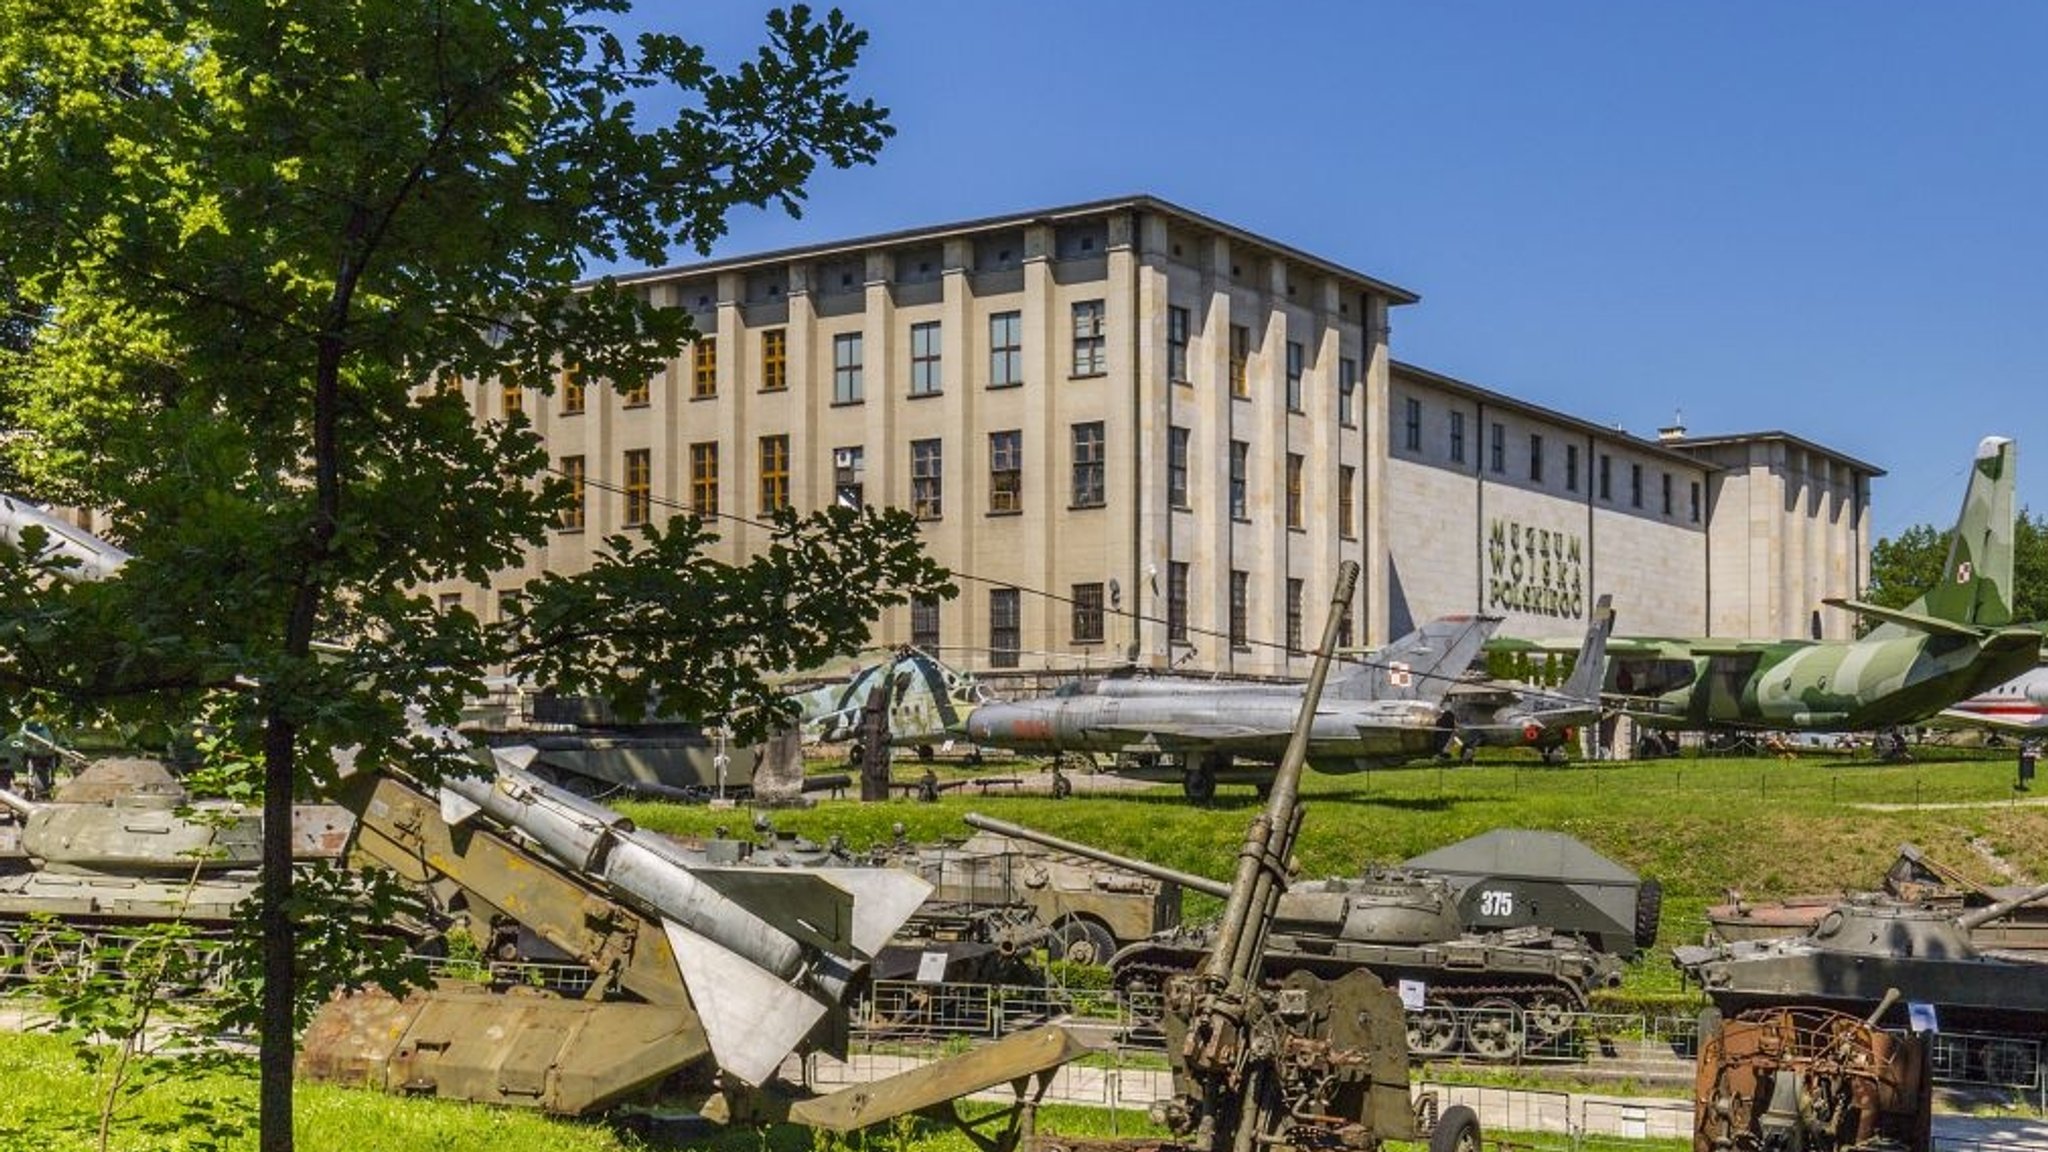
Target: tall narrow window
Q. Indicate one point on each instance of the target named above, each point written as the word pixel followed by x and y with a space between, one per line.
pixel 1606 476
pixel 572 391
pixel 1297 363
pixel 1088 465
pixel 1240 465
pixel 573 472
pixel 1240 360
pixel 1005 349
pixel 1088 613
pixel 1347 392
pixel 1571 467
pixel 704 478
pixel 775 359
pixel 1177 344
pixel 849 476
pixel 774 473
pixel 924 622
pixel 1294 617
pixel 1005 627
pixel 846 356
pixel 1666 477
pixel 1006 471
pixel 1294 501
pixel 514 398
pixel 1457 436
pixel 1535 458
pixel 704 380
pixel 1177 602
pixel 1090 346
pixel 1412 424
pixel 1695 501
pixel 925 377
pixel 1635 485
pixel 1347 501
pixel 927 491
pixel 1240 610
pixel 1177 467
pixel 637 488
pixel 638 395
pixel 1500 448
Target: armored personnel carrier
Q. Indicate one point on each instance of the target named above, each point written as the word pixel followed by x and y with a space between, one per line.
pixel 1496 994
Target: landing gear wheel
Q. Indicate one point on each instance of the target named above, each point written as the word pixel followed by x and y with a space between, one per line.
pixel 1433 1031
pixel 1198 782
pixel 1457 1130
pixel 1083 942
pixel 973 758
pixel 1493 1029
pixel 1061 786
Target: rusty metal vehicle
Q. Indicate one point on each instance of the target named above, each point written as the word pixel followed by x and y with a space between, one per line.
pixel 1814 1080
pixel 1492 994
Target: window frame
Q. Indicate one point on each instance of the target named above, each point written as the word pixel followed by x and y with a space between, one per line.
pixel 1089 612
pixel 1006 349
pixel 637 487
pixel 1178 444
pixel 928 478
pixel 704 478
pixel 704 367
pixel 1240 480
pixel 1006 472
pixel 927 367
pixel 774 466
pixel 775 360
pixel 575 471
pixel 848 359
pixel 1005 623
pixel 1179 333
pixel 1090 338
pixel 1088 447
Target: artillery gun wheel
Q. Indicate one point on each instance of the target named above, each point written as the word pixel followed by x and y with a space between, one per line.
pixel 1079 941
pixel 1494 1030
pixel 1434 1030
pixel 1457 1130
pixel 175 966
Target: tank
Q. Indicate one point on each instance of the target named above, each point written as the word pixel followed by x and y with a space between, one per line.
pixel 1495 995
pixel 1521 877
pixel 1863 946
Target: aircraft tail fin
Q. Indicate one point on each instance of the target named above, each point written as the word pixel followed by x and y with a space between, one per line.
pixel 1421 665
pixel 1975 587
pixel 1590 667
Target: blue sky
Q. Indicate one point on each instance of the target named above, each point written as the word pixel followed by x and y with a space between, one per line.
pixel 1823 218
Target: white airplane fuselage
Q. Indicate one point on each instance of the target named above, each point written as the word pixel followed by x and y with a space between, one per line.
pixel 2018 705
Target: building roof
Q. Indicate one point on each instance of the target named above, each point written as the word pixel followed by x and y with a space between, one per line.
pixel 1143 203
pixel 1800 442
pixel 1551 415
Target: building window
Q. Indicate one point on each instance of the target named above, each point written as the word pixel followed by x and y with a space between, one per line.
pixel 638 488
pixel 774 473
pixel 1240 610
pixel 925 376
pixel 846 355
pixel 1006 471
pixel 638 395
pixel 1240 360
pixel 1413 428
pixel 1088 466
pixel 1294 513
pixel 1695 501
pixel 927 491
pixel 1347 392
pixel 1177 467
pixel 1005 349
pixel 1535 458
pixel 1294 617
pixel 704 478
pixel 1240 464
pixel 1666 477
pixel 1090 347
pixel 1635 485
pixel 1457 436
pixel 1005 627
pixel 704 381
pixel 1500 447
pixel 1571 467
pixel 849 476
pixel 1606 476
pixel 775 359
pixel 1088 613
pixel 1347 502
pixel 573 472
pixel 514 398
pixel 509 601
pixel 1297 363
pixel 572 391
pixel 451 602
pixel 1177 602
pixel 1177 321
pixel 924 622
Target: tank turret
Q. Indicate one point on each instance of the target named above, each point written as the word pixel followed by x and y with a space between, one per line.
pixel 131 817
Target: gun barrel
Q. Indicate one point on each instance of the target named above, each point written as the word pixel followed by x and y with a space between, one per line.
pixel 1186 880
pixel 20 806
pixel 1969 920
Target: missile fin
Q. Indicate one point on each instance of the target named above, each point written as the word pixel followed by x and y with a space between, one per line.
pixel 752 1019
pixel 883 898
pixel 520 756
pixel 457 808
pixel 803 904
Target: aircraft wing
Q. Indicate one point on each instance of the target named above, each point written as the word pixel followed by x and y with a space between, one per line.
pixel 1914 620
pixel 1202 735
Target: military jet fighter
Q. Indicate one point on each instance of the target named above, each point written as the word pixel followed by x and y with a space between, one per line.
pixel 1952 643
pixel 1385 712
pixel 1494 714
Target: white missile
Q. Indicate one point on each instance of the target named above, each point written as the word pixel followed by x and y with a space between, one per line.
pixel 97 559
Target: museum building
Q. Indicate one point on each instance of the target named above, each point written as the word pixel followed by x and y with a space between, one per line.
pixel 1134 430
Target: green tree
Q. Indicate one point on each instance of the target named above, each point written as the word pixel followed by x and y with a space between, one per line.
pixel 1903 567
pixel 258 238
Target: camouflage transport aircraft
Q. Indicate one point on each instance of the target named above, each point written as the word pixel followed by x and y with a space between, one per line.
pixel 1955 641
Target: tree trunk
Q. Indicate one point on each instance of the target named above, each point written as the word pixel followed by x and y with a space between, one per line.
pixel 874 744
pixel 277 1042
